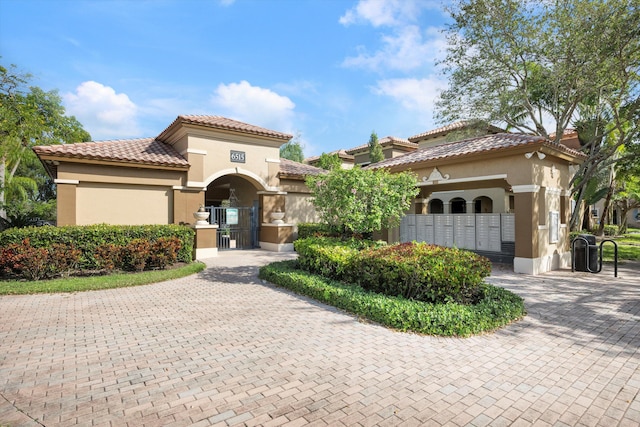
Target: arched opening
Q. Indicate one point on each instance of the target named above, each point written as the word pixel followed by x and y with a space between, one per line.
pixel 234 205
pixel 436 206
pixel 458 205
pixel 482 204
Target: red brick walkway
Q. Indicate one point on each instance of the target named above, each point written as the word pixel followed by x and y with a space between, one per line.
pixel 221 348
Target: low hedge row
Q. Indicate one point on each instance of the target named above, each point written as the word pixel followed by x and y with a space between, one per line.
pixel 495 308
pixel 313 229
pixel 24 261
pixel 412 270
pixel 88 238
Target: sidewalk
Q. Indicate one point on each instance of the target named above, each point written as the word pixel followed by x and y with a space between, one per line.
pixel 221 348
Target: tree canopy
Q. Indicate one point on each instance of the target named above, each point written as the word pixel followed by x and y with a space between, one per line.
pixel 360 200
pixel 293 149
pixel 29 116
pixel 329 161
pixel 540 67
pixel 375 149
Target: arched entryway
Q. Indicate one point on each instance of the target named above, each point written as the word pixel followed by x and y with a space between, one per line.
pixel 436 206
pixel 482 204
pixel 458 205
pixel 234 205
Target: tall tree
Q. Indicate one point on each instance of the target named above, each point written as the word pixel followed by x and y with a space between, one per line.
pixel 531 65
pixel 329 161
pixel 29 116
pixel 375 149
pixel 293 149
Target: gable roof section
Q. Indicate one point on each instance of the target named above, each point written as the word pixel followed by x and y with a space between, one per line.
pixel 386 141
pixel 443 130
pixel 136 152
pixel 342 154
pixel 222 123
pixel 295 170
pixel 483 144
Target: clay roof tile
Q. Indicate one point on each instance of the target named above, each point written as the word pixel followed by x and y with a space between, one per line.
pixel 143 151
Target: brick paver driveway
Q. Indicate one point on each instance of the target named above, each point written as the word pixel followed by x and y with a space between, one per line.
pixel 221 348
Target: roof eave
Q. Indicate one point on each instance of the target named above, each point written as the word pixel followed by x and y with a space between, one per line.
pixel 45 158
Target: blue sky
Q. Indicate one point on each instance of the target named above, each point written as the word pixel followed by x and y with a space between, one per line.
pixel 331 70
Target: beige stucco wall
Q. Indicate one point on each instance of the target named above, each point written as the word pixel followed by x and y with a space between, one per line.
pixel 538 186
pixel 93 194
pixel 261 158
pixel 499 197
pixel 119 174
pixel 123 204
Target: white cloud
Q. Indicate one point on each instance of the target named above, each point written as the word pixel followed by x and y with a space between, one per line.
pixel 415 95
pixel 383 12
pixel 407 49
pixel 255 105
pixel 104 113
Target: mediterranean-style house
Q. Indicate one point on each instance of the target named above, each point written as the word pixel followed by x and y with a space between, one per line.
pixel 500 194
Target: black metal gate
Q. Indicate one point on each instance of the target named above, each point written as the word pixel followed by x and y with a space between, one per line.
pixel 237 227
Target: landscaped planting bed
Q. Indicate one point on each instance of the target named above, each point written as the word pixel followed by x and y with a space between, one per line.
pixel 36 253
pixel 410 286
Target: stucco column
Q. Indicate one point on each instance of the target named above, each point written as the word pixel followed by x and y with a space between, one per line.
pixel 470 207
pixel 526 228
pixel 186 201
pixel 271 202
pixel 66 201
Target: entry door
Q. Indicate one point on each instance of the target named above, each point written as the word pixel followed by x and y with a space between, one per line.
pixel 237 227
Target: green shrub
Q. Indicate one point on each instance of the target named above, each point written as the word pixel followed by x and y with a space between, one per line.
pixel 108 256
pixel 164 251
pixel 135 254
pixel 411 270
pixel 495 307
pixel 315 230
pixel 611 230
pixel 422 272
pixel 32 263
pixel 329 256
pixel 88 238
pixel 64 259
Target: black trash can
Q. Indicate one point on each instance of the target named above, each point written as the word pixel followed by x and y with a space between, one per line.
pixel 585 254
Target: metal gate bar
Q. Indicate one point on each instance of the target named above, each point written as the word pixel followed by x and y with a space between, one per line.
pixel 236 227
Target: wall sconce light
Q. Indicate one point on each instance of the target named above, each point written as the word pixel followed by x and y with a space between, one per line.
pixel 540 155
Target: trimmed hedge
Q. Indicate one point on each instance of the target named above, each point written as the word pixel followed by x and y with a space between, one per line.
pixel 22 260
pixel 412 270
pixel 88 238
pixel 495 308
pixel 314 229
pixel 422 272
pixel 330 256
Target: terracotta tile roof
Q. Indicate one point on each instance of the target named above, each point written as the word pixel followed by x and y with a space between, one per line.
pixel 443 130
pixel 566 132
pixel 289 168
pixel 341 154
pixel 487 143
pixel 219 122
pixel 143 151
pixel 387 140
